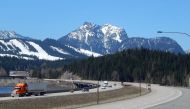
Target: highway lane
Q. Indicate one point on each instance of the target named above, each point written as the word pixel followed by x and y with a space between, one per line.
pixel 182 102
pixel 118 86
pixel 159 95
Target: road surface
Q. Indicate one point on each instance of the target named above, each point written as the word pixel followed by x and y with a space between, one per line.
pixel 153 100
pixel 181 103
pixel 118 86
pixel 159 95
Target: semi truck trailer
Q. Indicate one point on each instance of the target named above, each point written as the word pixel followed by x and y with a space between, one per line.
pixel 28 89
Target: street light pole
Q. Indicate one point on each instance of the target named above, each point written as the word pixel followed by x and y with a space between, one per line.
pixel 98 90
pixel 175 33
pixel 98 93
pixel 140 84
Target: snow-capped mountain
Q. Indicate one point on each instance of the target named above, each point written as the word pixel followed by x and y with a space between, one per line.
pixel 100 39
pixel 11 34
pixel 108 39
pixel 48 49
pixel 87 40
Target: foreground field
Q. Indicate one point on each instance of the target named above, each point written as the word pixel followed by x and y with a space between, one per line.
pixel 73 101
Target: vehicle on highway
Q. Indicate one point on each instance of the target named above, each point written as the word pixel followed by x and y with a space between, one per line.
pixel 85 89
pixel 28 89
pixel 105 83
pixel 103 87
pixel 109 86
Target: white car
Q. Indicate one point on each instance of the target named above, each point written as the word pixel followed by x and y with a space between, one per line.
pixel 109 86
pixel 103 87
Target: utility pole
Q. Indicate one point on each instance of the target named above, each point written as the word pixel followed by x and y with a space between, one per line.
pixel 140 84
pixel 98 93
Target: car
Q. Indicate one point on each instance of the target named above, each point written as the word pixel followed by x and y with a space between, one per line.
pixel 85 89
pixel 109 86
pixel 103 87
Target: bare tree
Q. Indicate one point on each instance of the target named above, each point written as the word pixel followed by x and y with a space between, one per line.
pixel 3 72
pixel 115 76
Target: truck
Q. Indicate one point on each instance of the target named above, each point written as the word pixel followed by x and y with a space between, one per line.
pixel 28 89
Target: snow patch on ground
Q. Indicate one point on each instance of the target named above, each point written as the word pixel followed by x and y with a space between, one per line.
pixel 7 44
pixel 89 53
pixel 21 46
pixel 85 52
pixel 60 50
pixel 41 54
pixel 9 55
pixel 24 50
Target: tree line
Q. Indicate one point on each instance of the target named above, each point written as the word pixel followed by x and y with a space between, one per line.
pixel 36 68
pixel 136 65
pixel 132 65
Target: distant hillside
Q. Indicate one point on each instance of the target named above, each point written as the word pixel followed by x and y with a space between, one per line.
pixel 135 65
pixel 36 68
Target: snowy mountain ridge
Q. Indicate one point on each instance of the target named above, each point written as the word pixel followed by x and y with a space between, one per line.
pixel 100 39
pixel 19 47
pixel 87 40
pixel 11 34
pixel 35 49
pixel 108 39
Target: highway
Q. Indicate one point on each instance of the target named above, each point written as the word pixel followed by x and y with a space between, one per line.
pixel 68 93
pixel 182 102
pixel 159 95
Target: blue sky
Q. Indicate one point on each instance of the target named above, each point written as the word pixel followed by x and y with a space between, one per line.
pixel 55 18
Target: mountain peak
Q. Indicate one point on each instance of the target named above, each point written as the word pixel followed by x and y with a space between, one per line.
pixel 9 35
pixel 89 32
pixel 109 27
pixel 113 31
pixel 187 51
pixel 87 25
pixel 107 38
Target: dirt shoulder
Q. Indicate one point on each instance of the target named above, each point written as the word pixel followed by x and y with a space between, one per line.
pixel 73 101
